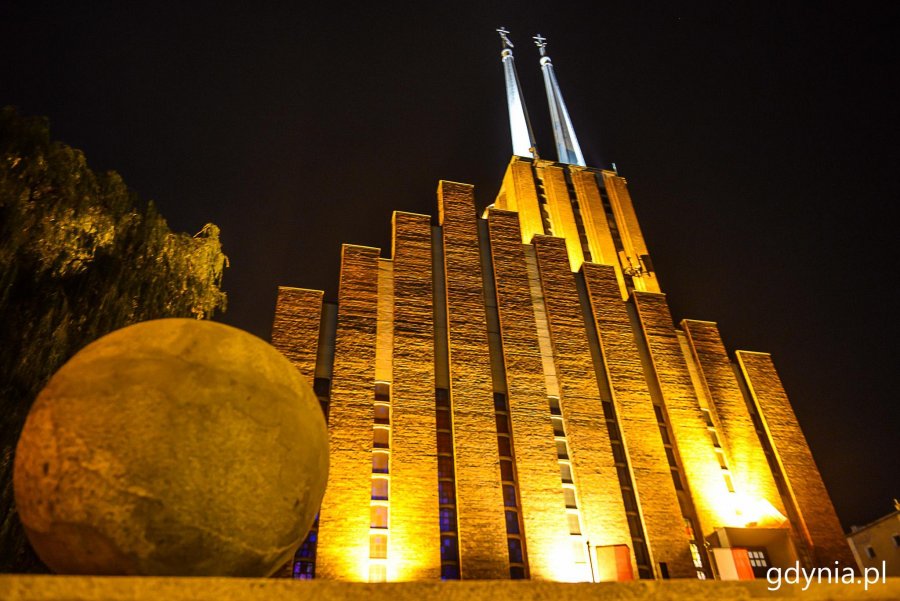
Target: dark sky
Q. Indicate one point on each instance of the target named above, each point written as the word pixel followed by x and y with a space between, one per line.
pixel 760 142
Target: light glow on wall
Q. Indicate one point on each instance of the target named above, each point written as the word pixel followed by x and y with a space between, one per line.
pixel 744 511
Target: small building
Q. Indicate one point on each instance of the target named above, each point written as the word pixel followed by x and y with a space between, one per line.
pixel 878 544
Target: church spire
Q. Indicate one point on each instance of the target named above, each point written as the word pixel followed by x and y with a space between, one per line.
pixel 519 126
pixel 567 147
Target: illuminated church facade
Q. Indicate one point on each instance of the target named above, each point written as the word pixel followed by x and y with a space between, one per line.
pixel 508 397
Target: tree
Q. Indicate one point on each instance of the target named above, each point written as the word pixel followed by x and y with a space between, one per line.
pixel 79 257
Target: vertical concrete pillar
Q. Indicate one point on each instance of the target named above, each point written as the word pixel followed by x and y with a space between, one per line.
pixel 820 526
pixel 414 542
pixel 537 467
pixel 343 550
pixel 479 496
pixel 298 315
pixel 746 458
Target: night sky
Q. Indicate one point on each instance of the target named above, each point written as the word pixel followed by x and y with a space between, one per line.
pixel 760 142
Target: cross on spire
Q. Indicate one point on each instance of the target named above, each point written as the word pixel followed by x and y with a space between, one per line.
pixel 504 35
pixel 541 42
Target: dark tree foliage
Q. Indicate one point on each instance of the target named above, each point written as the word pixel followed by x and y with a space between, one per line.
pixel 79 257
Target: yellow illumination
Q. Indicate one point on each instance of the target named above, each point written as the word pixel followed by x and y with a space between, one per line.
pixel 563 568
pixel 747 512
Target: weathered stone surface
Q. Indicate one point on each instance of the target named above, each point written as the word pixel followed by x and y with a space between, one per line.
pixel 172 447
pixel 482 528
pixel 295 331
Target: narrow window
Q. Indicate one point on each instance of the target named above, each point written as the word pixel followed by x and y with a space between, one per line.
pixel 443 420
pixel 446 493
pixel 382 413
pixel 515 550
pixel 502 424
pixel 670 455
pixel 382 438
pixel 665 435
pixel 445 466
pixel 304 570
pixel 578 550
pixel 558 429
pixel 442 397
pixel 377 546
pixel 379 489
pixel 449 548
pixel 676 479
pixel 379 516
pixel 509 495
pixel 664 570
pixel 554 406
pixel 448 520
pixel 449 571
pixel 380 463
pixel 695 556
pixel 659 414
pixel 504 446
pixel 618 453
pixel 721 456
pixel 382 392
pixel 512 522
pixel 728 483
pixel 574 524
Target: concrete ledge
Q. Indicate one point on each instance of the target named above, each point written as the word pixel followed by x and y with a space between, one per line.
pixel 98 588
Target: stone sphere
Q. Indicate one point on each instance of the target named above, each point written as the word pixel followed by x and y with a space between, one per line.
pixel 172 447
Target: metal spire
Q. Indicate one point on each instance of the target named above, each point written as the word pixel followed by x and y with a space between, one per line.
pixel 567 147
pixel 519 126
